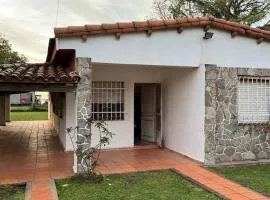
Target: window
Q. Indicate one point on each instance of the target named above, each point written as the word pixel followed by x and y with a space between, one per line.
pixel 253 100
pixel 108 100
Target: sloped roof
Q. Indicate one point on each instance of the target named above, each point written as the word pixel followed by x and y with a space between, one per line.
pixel 37 73
pixel 204 22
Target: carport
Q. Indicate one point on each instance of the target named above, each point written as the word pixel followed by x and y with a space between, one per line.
pixel 57 76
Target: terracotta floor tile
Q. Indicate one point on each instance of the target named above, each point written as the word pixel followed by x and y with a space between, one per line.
pixel 252 195
pixel 237 197
pixel 34 160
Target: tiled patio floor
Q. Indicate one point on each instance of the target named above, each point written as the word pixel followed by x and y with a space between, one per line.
pixel 31 151
pixel 122 161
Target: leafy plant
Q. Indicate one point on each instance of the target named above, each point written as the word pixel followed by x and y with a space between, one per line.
pixel 86 152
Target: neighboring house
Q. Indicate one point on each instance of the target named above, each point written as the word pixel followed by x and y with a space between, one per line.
pixel 170 83
pixel 22 99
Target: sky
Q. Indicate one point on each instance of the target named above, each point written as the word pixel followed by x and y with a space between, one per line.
pixel 28 24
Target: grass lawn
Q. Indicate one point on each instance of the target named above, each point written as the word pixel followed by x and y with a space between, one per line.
pixel 163 184
pixel 20 108
pixel 39 108
pixel 11 193
pixel 28 116
pixel 256 177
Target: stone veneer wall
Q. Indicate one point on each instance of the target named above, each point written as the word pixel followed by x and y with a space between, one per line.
pixel 83 106
pixel 226 140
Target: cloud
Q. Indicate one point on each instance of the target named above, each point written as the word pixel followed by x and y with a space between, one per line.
pixel 29 24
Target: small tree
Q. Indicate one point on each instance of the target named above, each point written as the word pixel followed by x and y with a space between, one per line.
pixel 7 56
pixel 85 150
pixel 249 12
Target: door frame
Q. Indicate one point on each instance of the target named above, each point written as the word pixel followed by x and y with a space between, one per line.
pixel 160 142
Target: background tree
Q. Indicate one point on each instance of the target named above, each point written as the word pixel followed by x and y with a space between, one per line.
pixel 7 56
pixel 247 12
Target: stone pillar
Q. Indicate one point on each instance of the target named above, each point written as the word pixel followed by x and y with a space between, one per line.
pixel 2 110
pixel 83 100
pixel 7 107
pixel 211 74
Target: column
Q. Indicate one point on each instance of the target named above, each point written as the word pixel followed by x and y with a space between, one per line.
pixel 7 107
pixel 83 101
pixel 2 110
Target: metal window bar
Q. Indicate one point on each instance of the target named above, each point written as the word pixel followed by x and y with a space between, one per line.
pixel 253 100
pixel 108 99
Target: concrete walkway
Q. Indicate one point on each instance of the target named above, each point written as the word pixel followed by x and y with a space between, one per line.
pixel 31 151
pixel 131 160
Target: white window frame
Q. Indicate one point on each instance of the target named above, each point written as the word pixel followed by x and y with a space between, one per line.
pixel 253 100
pixel 109 97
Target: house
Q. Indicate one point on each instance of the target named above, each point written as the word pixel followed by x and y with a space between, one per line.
pixel 22 99
pixel 197 86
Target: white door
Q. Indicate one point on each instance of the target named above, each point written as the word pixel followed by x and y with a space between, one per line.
pixel 148 113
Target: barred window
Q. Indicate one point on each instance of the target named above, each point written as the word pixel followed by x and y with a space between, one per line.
pixel 253 100
pixel 108 100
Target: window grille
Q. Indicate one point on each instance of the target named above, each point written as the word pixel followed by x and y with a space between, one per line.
pixel 253 100
pixel 108 100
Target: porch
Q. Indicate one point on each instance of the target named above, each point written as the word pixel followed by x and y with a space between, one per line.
pixel 161 105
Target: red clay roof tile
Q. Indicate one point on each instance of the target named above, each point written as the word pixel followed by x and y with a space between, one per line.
pixel 37 73
pixel 109 26
pixel 124 25
pixel 88 30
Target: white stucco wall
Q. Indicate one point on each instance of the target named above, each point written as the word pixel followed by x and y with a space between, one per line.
pixel 68 120
pixel 183 105
pixel 70 117
pixel 183 112
pixel 169 48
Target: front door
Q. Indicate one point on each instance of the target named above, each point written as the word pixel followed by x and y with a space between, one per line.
pixel 148 113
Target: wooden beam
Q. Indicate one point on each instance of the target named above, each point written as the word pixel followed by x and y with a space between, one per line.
pixel 260 40
pixel 206 28
pixel 14 88
pixel 149 32
pixel 84 38
pixel 233 34
pixel 117 36
pixel 180 30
